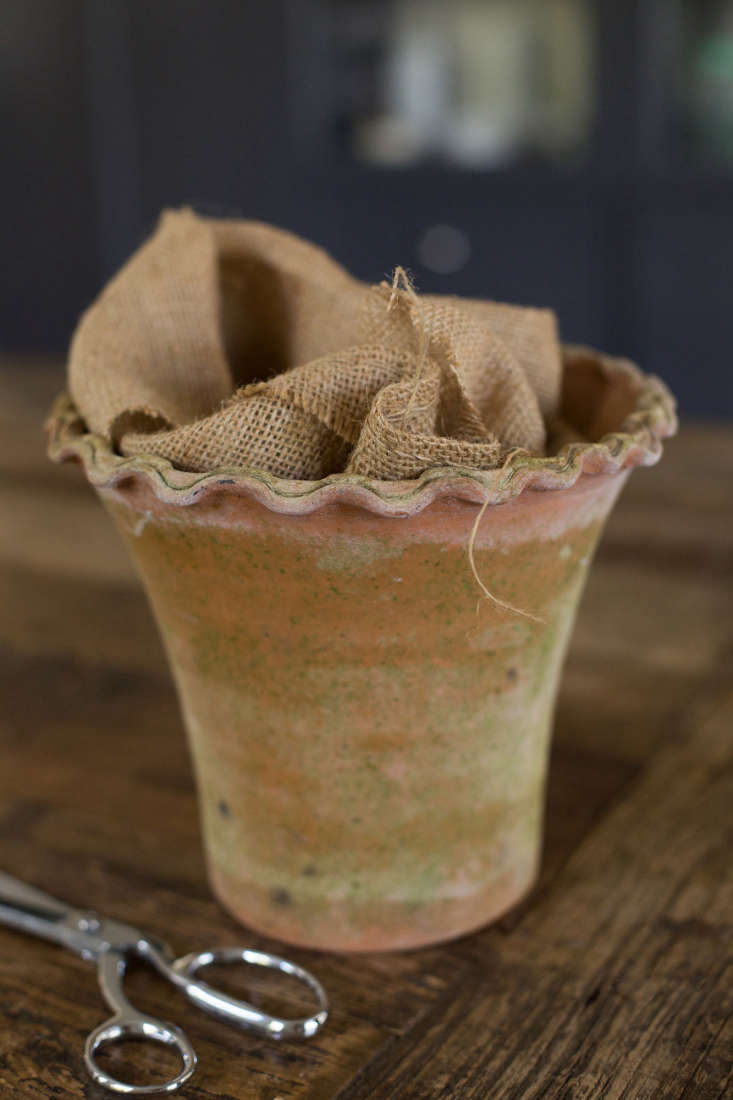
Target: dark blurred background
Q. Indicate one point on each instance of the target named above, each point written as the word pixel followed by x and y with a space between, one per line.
pixel 571 153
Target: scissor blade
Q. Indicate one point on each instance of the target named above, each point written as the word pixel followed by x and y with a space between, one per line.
pixel 31 910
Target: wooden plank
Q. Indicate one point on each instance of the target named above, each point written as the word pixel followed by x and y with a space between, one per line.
pixel 617 983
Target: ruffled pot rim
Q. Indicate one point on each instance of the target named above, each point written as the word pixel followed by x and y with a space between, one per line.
pixel 637 442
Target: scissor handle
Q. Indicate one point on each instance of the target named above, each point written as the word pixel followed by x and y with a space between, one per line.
pixel 185 969
pixel 136 1026
pixel 128 1023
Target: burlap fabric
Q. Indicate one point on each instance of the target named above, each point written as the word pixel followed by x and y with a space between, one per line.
pixel 231 343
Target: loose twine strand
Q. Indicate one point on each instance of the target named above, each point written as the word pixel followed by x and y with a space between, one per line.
pixel 472 562
pixel 402 283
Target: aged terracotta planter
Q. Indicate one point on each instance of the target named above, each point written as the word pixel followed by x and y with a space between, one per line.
pixel 370 748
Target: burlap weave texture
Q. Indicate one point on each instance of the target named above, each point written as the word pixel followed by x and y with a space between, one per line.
pixel 232 343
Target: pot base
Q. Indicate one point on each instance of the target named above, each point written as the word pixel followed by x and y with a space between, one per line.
pixel 384 926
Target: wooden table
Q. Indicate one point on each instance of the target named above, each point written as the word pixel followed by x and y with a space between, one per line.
pixel 612 980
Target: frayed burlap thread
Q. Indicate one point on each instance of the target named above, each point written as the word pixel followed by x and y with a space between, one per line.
pixel 236 344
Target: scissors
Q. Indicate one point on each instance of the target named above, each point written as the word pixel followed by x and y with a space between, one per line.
pixel 110 942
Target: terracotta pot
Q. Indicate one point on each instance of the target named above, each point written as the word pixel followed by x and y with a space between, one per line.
pixel 370 739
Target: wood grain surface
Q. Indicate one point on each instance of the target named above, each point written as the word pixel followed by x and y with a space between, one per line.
pixel 614 979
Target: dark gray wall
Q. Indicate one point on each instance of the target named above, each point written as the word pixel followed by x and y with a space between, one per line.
pixel 112 109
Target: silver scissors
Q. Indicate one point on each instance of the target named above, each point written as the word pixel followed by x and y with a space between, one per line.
pixel 110 942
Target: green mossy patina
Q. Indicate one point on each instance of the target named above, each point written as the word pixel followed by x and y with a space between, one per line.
pixel 357 710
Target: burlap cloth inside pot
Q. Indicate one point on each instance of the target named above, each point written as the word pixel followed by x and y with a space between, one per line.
pixel 232 343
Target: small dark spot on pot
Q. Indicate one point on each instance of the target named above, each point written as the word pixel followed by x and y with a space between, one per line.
pixel 224 809
pixel 511 674
pixel 226 481
pixel 310 870
pixel 280 896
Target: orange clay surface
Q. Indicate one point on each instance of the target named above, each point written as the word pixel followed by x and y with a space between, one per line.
pixel 370 746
